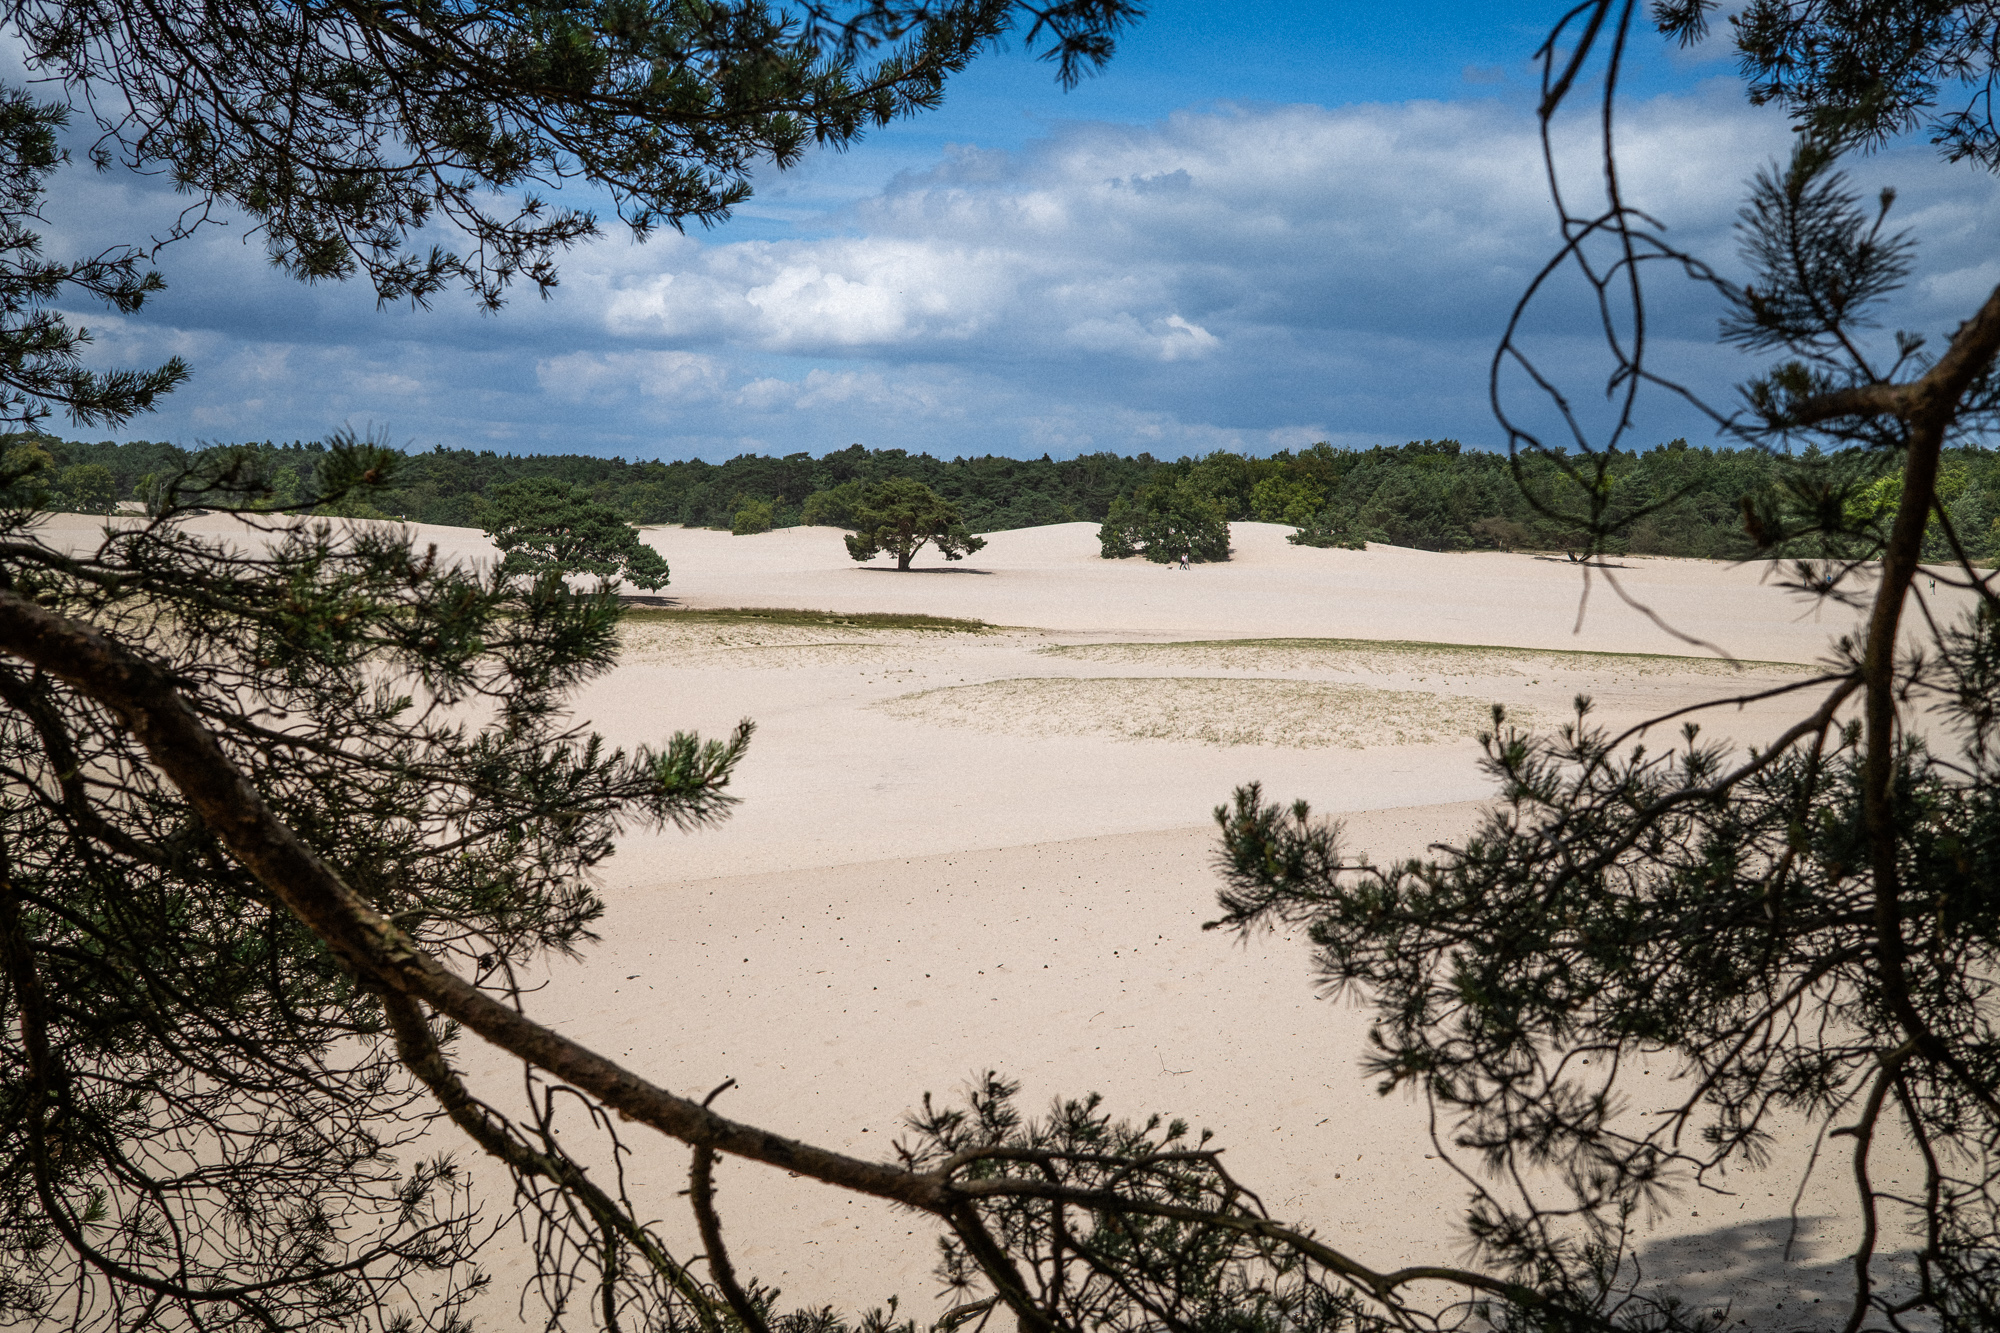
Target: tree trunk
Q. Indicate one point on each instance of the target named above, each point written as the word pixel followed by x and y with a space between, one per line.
pixel 903 559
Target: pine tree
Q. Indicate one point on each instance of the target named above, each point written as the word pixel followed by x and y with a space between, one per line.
pixel 548 527
pixel 901 517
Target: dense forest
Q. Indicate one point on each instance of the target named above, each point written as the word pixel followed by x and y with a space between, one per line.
pixel 1434 494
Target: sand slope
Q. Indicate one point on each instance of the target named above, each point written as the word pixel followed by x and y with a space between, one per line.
pixel 970 852
pixel 961 852
pixel 1053 577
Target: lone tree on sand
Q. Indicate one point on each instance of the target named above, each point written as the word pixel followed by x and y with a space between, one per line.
pixel 283 821
pixel 900 515
pixel 544 526
pixel 1165 521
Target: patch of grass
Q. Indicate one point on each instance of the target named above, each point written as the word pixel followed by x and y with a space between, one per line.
pixel 1292 714
pixel 781 615
pixel 1411 647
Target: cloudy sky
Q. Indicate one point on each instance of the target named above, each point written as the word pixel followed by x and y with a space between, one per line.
pixel 1268 222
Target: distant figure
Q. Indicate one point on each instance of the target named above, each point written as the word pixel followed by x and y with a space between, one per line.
pixel 1186 554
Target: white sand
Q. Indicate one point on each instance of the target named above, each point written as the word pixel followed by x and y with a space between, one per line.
pixel 970 852
pixel 1053 578
pixel 966 852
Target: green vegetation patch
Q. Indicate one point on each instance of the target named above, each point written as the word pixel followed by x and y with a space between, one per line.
pixel 1401 654
pixel 780 615
pixel 1232 711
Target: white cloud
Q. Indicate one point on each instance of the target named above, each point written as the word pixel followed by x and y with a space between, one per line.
pixel 591 377
pixel 1163 241
pixel 908 397
pixel 1167 339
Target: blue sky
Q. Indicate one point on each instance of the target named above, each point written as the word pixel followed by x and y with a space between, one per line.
pixel 1264 224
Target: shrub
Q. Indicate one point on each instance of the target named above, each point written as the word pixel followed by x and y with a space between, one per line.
pixel 753 516
pixel 1279 500
pixel 834 507
pixel 1326 529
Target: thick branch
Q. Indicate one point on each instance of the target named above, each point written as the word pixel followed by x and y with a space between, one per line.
pixel 1929 401
pixel 1934 400
pixel 417 1047
pixel 1383 1286
pixel 373 947
pixel 388 960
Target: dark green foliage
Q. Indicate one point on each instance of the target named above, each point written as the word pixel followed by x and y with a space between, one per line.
pixel 1420 494
pixel 994 494
pixel 546 527
pixel 1286 499
pixel 835 508
pixel 1323 530
pixel 1821 259
pixel 1115 1267
pixel 900 516
pixel 1174 519
pixel 371 124
pixel 1860 73
pixel 85 488
pixel 192 1088
pixel 41 365
pixel 444 485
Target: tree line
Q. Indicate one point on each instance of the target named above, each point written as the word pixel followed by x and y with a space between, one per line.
pixel 1675 499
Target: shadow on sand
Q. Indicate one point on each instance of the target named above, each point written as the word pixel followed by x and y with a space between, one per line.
pixel 1744 1270
pixel 1587 564
pixel 927 569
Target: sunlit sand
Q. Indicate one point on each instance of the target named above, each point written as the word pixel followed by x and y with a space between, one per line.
pixel 958 852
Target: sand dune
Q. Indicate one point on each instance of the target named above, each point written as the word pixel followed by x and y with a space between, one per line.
pixel 959 852
pixel 1053 578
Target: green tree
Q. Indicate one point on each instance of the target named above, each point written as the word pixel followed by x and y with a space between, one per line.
pixel 834 507
pixel 543 527
pixel 1285 500
pixel 900 516
pixel 86 488
pixel 1326 529
pixel 1166 521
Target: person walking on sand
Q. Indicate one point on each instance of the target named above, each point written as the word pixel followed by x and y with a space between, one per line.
pixel 1186 554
